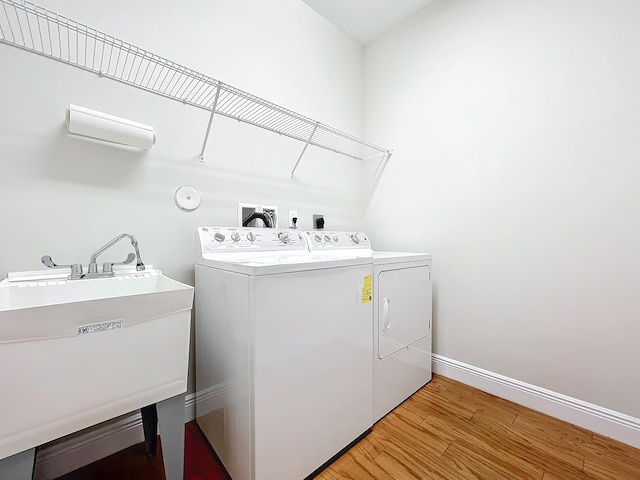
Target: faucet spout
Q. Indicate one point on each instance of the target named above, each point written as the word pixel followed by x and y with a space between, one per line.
pixel 93 265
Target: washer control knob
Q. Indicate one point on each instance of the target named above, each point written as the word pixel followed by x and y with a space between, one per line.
pixel 317 238
pixel 235 236
pixel 355 239
pixel 327 238
pixel 251 236
pixel 219 236
pixel 335 238
pixel 283 237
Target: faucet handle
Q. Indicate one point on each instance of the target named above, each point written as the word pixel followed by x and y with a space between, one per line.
pixel 107 267
pixel 48 262
pixel 76 268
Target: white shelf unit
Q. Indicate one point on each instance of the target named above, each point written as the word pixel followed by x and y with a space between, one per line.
pixel 33 28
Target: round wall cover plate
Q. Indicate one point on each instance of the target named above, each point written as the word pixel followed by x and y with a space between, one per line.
pixel 187 198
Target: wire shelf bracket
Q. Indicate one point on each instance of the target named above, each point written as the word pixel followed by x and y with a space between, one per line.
pixel 213 112
pixel 30 27
pixel 304 149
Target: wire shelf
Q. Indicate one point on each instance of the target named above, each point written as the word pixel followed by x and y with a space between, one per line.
pixel 33 28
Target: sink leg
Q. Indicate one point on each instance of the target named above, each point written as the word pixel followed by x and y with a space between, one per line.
pixel 150 428
pixel 19 466
pixel 171 418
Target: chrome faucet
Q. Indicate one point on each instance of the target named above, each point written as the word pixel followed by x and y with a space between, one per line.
pixel 107 266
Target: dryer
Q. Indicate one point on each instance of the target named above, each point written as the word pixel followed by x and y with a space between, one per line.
pixel 284 341
pixel 401 293
pixel 402 327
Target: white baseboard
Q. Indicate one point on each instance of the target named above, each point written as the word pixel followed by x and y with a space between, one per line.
pixel 63 457
pixel 609 423
pixel 79 450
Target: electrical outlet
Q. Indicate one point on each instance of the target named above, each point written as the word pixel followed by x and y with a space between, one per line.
pixel 318 222
pixel 293 214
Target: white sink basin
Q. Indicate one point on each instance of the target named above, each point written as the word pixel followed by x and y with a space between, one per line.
pixel 74 353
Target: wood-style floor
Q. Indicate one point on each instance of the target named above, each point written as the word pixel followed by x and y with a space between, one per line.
pixel 446 431
pixel 450 431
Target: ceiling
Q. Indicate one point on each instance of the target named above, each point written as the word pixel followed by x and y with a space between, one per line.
pixel 365 20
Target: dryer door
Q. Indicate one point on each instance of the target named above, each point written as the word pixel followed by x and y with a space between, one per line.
pixel 404 308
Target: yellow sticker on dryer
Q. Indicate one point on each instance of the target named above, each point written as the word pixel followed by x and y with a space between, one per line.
pixel 367 289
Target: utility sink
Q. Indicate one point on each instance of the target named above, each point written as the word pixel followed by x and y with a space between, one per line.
pixel 74 353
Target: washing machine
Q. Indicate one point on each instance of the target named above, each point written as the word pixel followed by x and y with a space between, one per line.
pixel 401 295
pixel 284 341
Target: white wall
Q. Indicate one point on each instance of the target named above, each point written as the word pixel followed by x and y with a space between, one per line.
pixel 65 196
pixel 515 127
